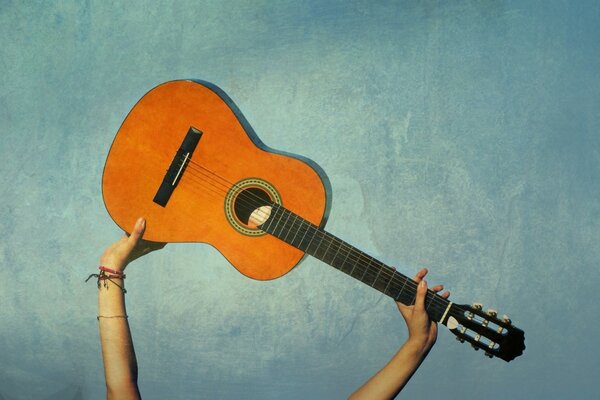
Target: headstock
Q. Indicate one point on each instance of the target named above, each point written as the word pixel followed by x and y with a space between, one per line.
pixel 484 330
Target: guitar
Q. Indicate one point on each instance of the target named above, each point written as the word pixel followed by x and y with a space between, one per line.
pixel 188 161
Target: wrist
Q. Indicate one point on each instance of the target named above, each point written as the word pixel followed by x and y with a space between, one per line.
pixel 419 345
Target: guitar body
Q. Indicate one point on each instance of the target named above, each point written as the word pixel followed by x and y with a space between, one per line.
pixel 228 159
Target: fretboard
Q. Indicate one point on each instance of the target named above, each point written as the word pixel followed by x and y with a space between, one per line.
pixel 305 236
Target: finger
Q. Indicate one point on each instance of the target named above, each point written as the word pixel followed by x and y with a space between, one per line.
pixel 137 232
pixel 420 298
pixel 421 274
pixel 404 310
pixel 446 294
pixel 437 288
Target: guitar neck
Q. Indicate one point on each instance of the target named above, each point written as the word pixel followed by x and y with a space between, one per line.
pixel 305 236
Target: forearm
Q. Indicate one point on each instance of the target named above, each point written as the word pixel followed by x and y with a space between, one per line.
pixel 118 355
pixel 388 382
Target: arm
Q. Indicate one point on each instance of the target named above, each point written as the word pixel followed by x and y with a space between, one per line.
pixel 118 355
pixel 422 334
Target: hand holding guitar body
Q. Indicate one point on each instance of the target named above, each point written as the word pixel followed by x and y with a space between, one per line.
pixel 118 354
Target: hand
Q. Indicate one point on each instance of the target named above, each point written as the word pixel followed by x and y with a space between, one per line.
pixel 421 330
pixel 128 248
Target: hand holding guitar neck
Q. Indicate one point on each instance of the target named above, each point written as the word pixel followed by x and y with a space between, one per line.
pixel 421 329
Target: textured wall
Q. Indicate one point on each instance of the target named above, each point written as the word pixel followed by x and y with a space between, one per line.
pixel 459 135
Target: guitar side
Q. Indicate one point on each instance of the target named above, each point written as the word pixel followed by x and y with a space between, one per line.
pixel 228 154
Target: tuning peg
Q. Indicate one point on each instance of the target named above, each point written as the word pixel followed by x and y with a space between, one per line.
pixel 474 347
pixel 477 306
pixel 506 319
pixel 460 339
pixel 490 355
pixel 492 313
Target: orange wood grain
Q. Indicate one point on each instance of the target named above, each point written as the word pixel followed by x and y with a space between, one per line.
pixel 144 148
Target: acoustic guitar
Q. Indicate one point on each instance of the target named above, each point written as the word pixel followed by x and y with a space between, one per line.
pixel 188 161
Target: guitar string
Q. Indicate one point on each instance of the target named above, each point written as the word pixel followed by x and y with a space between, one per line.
pixel 456 312
pixel 382 269
pixel 390 273
pixel 349 249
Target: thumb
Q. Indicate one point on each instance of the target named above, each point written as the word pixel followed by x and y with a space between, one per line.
pixel 420 299
pixel 137 232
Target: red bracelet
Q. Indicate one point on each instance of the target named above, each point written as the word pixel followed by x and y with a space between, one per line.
pixel 112 271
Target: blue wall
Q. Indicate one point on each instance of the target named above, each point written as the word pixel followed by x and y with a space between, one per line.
pixel 459 135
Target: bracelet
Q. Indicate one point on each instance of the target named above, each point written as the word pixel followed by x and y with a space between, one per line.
pixel 112 271
pixel 106 276
pixel 103 277
pixel 112 316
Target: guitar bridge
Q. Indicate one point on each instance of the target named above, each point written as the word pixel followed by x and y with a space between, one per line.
pixel 177 167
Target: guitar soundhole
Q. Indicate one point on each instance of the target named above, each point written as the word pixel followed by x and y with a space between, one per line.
pixel 248 205
pixel 248 201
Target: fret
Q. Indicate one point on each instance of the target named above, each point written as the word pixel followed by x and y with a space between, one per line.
pixel 314 233
pixel 275 217
pixel 266 225
pixel 330 241
pixel 370 274
pixel 427 302
pixel 330 255
pixel 407 296
pixel 314 245
pixel 284 227
pixel 292 229
pixel 335 262
pixel 395 289
pixel 307 237
pixel 336 246
pixel 346 260
pixel 351 273
pixel 362 277
pixel 382 278
pixel 441 305
pixel 390 279
pixel 319 250
pixel 357 272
